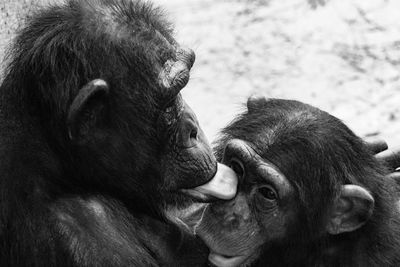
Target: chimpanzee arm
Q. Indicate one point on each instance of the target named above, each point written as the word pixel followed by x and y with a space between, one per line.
pixel 100 231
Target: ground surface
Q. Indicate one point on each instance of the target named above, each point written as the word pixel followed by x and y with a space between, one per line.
pixel 342 57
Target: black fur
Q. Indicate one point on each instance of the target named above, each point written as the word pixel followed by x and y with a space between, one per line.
pixel 317 154
pixel 98 201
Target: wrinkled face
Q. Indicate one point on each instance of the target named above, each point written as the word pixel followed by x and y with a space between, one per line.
pixel 236 230
pixel 188 150
pixel 189 161
pixel 188 167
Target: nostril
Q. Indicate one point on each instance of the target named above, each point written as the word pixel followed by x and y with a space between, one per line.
pixel 229 219
pixel 193 134
pixel 237 166
pixel 232 221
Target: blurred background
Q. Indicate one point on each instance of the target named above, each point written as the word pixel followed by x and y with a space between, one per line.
pixel 341 56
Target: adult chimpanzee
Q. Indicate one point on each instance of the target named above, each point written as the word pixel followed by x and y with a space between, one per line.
pixel 96 144
pixel 311 193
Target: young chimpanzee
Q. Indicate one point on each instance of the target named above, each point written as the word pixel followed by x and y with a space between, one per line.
pixel 311 193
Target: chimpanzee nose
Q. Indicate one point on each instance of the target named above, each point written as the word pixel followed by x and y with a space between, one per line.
pixel 189 134
pixel 233 211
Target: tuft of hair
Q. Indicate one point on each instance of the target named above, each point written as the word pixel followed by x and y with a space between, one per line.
pixel 62 47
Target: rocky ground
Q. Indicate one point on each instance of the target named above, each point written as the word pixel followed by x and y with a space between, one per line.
pixel 343 56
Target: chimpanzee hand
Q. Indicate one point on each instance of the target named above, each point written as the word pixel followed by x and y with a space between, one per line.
pixel 391 157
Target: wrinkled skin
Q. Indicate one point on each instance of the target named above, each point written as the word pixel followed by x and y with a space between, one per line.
pixel 189 161
pixel 310 193
pixel 97 148
pixel 235 231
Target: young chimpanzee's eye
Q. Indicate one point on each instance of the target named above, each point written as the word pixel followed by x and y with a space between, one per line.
pixel 267 192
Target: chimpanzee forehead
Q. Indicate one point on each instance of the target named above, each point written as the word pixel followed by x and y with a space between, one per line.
pixel 271 174
pixel 137 22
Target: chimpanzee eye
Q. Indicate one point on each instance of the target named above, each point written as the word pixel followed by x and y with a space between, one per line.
pixel 268 193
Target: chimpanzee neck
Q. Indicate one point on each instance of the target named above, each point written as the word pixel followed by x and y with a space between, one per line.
pixel 378 241
pixel 28 164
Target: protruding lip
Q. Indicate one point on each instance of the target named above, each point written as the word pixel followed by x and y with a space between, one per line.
pixel 222 186
pixel 220 260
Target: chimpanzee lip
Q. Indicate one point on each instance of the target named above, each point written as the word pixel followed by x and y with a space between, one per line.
pixel 222 186
pixel 221 260
pixel 198 196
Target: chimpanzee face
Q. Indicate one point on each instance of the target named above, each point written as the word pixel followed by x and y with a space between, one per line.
pixel 188 161
pixel 296 172
pixel 146 138
pixel 235 230
pixel 130 127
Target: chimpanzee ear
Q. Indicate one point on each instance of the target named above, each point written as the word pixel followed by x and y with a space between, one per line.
pixel 86 107
pixel 351 210
pixel 255 102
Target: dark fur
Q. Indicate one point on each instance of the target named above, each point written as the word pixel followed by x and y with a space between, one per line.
pixel 62 204
pixel 317 153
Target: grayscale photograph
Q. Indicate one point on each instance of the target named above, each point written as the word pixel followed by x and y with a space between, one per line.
pixel 199 133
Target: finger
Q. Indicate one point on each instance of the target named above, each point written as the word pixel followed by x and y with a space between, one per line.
pixel 395 176
pixel 390 157
pixel 376 145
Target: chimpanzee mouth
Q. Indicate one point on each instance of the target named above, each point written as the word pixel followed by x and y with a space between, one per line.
pixel 222 186
pixel 197 196
pixel 221 260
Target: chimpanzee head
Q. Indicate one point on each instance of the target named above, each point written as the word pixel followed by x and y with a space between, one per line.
pixel 306 184
pixel 102 77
